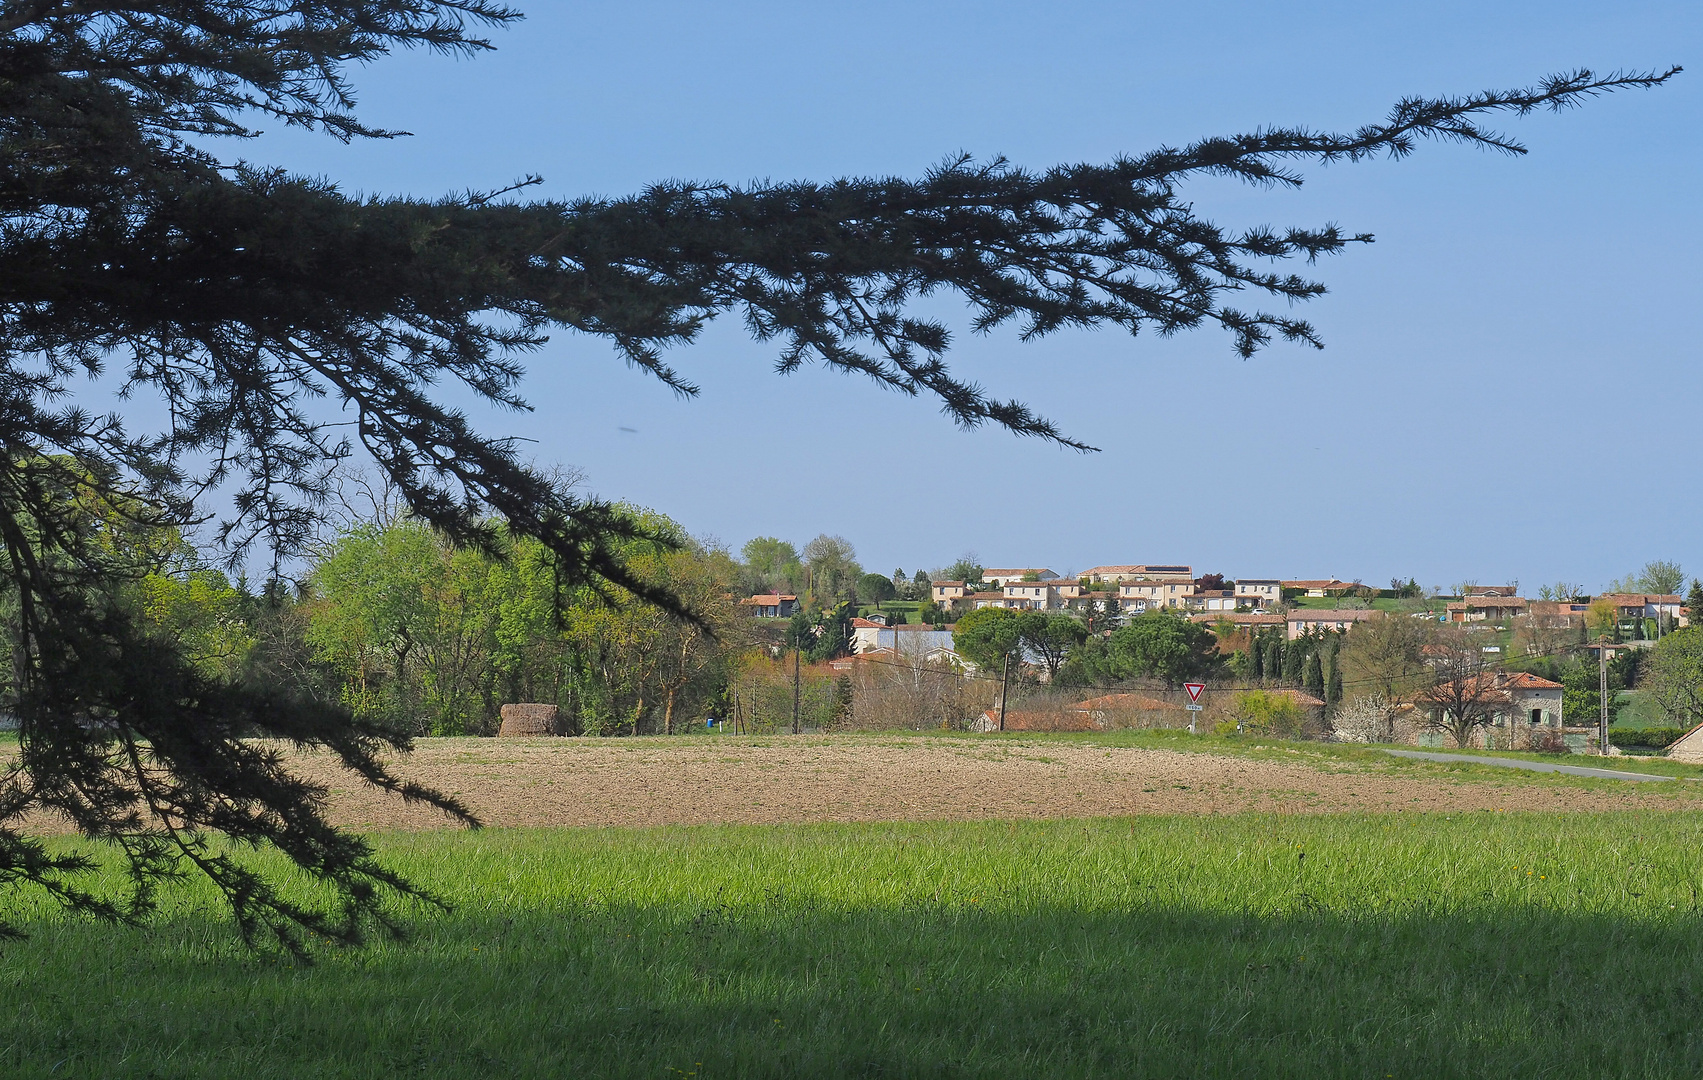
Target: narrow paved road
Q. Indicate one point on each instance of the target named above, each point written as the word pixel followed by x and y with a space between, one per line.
pixel 1534 766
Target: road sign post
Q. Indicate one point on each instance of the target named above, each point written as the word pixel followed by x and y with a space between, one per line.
pixel 1194 689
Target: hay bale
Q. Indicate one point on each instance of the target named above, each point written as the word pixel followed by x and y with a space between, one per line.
pixel 520 721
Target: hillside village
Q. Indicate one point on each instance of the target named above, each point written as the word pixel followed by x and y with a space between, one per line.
pixel 1278 637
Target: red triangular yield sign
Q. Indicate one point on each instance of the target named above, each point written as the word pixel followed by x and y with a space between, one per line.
pixel 1194 689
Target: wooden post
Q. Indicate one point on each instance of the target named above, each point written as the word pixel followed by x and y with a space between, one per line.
pixel 1004 681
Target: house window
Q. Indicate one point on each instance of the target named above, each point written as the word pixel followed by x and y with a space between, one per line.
pixel 1537 716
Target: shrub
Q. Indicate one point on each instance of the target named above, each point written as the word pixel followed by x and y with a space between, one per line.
pixel 1652 736
pixel 1265 713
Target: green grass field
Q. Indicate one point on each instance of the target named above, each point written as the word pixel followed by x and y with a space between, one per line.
pixel 1393 946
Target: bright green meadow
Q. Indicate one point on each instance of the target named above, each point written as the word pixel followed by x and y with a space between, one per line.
pixel 1484 944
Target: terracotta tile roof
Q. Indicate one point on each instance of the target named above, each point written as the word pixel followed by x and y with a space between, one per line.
pixel 1525 680
pixel 1131 702
pixel 1240 618
pixel 1485 601
pixel 1036 720
pixel 767 599
pixel 1640 599
pixel 1299 697
pixel 1332 583
pixel 1325 615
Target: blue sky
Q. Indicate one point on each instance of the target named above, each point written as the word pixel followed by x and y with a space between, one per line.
pixel 1509 389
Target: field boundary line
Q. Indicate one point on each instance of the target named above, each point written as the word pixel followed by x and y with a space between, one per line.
pixel 1534 766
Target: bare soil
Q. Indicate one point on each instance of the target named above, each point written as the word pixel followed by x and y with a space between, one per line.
pixel 703 780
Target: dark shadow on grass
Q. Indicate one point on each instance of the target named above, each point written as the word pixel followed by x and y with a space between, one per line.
pixel 956 986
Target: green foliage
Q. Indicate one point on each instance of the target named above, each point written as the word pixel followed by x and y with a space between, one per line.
pixel 435 638
pixel 931 614
pixel 771 565
pixel 875 589
pixel 1656 737
pixel 1694 605
pixel 966 569
pixel 832 570
pixel 1163 646
pixel 1315 683
pixel 986 636
pixel 1265 712
pixel 976 949
pixel 835 638
pixel 1675 677
pixel 1050 637
pixel 205 615
pixel 1658 576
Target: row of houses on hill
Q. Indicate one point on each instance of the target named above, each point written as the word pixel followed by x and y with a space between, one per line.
pixel 1500 608
pixel 1124 589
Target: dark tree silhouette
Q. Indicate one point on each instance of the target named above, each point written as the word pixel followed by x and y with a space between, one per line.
pixel 242 296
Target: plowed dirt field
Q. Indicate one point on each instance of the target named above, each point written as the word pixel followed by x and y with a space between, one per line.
pixel 702 780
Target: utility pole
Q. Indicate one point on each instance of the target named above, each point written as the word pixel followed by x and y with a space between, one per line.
pixel 1004 681
pixel 796 650
pixel 1602 694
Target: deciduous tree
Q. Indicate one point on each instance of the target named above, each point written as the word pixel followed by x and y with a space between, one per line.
pixel 1674 676
pixel 1461 695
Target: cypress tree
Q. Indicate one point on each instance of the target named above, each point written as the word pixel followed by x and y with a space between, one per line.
pixel 1333 685
pixel 1316 675
pixel 1694 604
pixel 1256 657
pixel 1295 660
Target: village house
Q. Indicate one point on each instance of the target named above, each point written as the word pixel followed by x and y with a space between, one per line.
pixel 769 606
pixel 1241 620
pixel 1669 609
pixel 1532 701
pixel 1298 623
pixel 1493 608
pixel 1104 600
pixel 1259 592
pixel 1007 576
pixel 1328 587
pixel 1557 614
pixel 1030 595
pixel 1138 596
pixel 1528 714
pixel 1117 575
pixel 945 593
pixel 867 635
pixel 934 656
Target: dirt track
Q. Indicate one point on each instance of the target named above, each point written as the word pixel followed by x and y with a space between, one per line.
pixel 872 778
